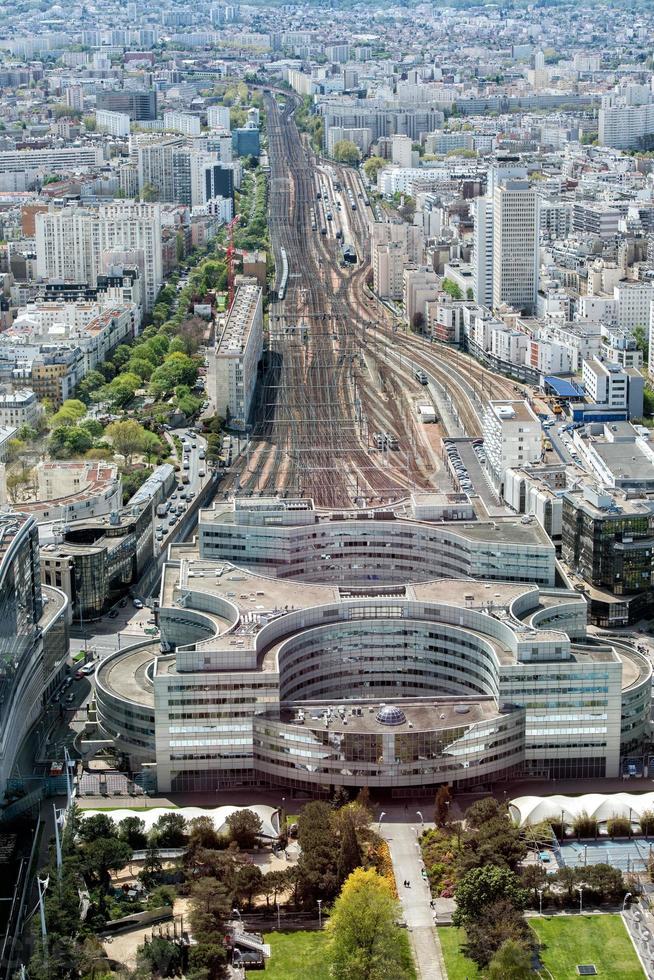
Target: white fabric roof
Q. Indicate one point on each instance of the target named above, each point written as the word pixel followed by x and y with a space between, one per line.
pixel 269 815
pixel 529 810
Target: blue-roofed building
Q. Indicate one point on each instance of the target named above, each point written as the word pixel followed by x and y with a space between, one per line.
pixel 562 388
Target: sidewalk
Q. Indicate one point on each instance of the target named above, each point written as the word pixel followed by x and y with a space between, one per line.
pixel 402 840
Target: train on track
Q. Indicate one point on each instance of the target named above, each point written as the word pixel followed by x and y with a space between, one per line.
pixel 283 282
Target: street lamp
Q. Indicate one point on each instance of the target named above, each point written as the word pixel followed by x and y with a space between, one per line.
pixel 320 913
pixel 381 817
pixel 540 901
pixel 278 921
pixel 419 814
pixel 580 889
pixel 624 900
pixel 235 911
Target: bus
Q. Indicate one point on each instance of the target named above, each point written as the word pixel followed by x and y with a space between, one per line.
pixel 163 509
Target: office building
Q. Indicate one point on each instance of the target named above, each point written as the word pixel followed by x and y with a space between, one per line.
pixel 607 543
pixel 34 638
pixel 512 437
pixel 137 104
pixel 99 558
pixel 276 679
pixel 246 142
pixel 515 245
pixel 238 352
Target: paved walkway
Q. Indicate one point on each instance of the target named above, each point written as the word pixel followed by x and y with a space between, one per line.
pixel 401 836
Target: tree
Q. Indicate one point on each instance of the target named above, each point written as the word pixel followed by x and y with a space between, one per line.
pixel 442 805
pixel 642 340
pixel 533 877
pixel 160 957
pixel 349 856
pixel 273 883
pixel 345 151
pixel 209 908
pixel 104 855
pixel 127 437
pixel 141 367
pixel 511 962
pixel 177 369
pixel 372 167
pixel 70 413
pixel 18 481
pixel 248 882
pixel 480 887
pixel 451 288
pixel 646 822
pixel 96 827
pixel 244 828
pixel 132 831
pixel 203 834
pixel 364 938
pixel 320 848
pixel 496 924
pixel 152 867
pixel 169 830
pixel 161 897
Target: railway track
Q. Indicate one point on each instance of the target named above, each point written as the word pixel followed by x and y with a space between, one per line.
pixel 310 436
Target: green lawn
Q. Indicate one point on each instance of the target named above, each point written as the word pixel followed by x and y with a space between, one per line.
pixel 599 939
pixel 296 956
pixel 302 955
pixel 458 966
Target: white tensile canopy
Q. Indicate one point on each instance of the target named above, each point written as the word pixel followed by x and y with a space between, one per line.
pixel 529 810
pixel 269 815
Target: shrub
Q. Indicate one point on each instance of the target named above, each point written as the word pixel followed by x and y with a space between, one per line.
pixel 584 825
pixel 647 822
pixel 618 827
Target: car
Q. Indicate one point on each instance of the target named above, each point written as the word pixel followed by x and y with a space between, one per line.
pixel 87 669
pixel 123 603
pixel 180 486
pixel 202 472
pixel 173 496
pixel 113 613
pixel 190 495
pixel 159 536
pixel 194 445
pixel 137 603
pixel 172 520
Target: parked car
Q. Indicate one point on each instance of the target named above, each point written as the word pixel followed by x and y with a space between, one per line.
pixel 113 613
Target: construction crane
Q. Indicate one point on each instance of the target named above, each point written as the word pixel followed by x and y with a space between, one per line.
pixel 230 260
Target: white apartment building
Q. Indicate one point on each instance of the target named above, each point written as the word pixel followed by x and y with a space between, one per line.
pixel 360 136
pixel 53 160
pixel 634 300
pixel 420 286
pixel 388 264
pixel 218 117
pixel 512 437
pixel 134 228
pixel 71 242
pixel 182 122
pixel 114 123
pixel 402 150
pixel 625 127
pixel 238 353
pixel 515 245
pixel 20 407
